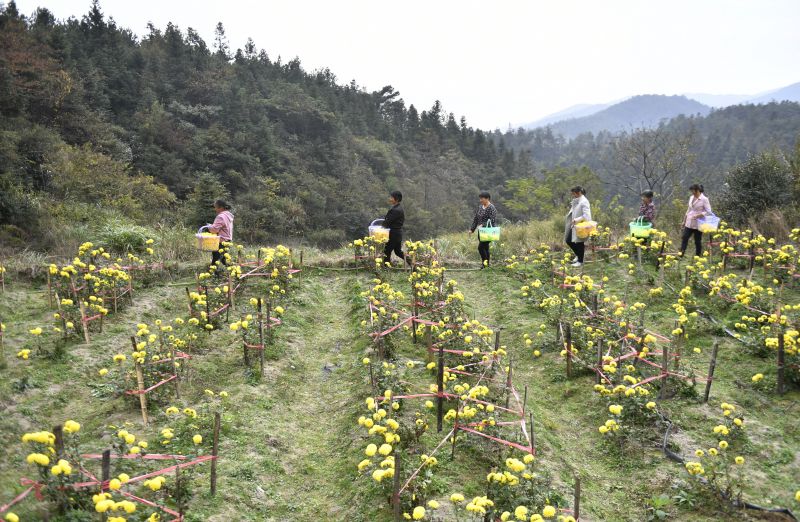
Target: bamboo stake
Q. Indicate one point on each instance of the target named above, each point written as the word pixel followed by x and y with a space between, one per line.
pixel 440 390
pixel 215 454
pixel 711 366
pixel 577 498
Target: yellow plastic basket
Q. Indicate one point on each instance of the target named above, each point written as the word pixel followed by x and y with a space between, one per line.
pixel 584 229
pixel 207 241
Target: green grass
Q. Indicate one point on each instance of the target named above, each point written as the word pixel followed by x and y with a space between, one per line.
pixel 291 442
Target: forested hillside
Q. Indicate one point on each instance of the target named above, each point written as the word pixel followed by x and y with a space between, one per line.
pixel 98 124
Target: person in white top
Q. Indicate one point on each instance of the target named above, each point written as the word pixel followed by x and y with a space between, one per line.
pixel 699 206
pixel 580 210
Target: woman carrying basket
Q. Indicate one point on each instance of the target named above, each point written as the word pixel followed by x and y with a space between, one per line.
pixel 699 206
pixel 223 227
pixel 486 215
pixel 580 211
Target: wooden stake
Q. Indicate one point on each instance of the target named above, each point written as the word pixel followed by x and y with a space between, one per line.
pixel 664 372
pixel 508 381
pixel 428 343
pixel 533 434
pixel 58 431
pixel 396 489
pixel 455 431
pixel 215 454
pixel 678 346
pixel 568 335
pixel 261 335
pixel 140 385
pixel 524 402
pixel 269 323
pixel 49 290
pixel 414 318
pixel 576 502
pixel 599 360
pixel 711 366
pixel 84 322
pixel 780 388
pixel 105 469
pixel 440 390
pixel 189 297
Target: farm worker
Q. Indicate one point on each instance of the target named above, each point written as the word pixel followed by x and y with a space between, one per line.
pixel 647 210
pixel 394 222
pixel 222 226
pixel 485 213
pixel 579 211
pixel 699 206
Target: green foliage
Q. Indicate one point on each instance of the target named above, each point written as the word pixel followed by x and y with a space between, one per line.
pixel 539 198
pixel 199 205
pixel 763 182
pixel 123 238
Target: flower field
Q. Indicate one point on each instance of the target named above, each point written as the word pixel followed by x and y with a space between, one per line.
pixel 643 387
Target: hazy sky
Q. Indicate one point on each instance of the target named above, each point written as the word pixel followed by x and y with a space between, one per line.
pixel 502 61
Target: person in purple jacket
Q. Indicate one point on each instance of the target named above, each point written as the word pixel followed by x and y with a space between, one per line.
pixel 223 227
pixel 699 206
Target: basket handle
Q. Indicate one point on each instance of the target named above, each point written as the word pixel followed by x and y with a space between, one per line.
pixel 202 228
pixel 488 223
pixel 375 222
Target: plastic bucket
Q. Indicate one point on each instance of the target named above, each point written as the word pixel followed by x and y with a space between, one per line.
pixel 377 230
pixel 584 229
pixel 708 223
pixel 207 241
pixel 640 228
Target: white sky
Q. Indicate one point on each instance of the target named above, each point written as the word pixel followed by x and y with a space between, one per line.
pixel 502 61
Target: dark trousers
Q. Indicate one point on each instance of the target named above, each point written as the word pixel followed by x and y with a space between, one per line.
pixel 483 250
pixel 578 247
pixel 395 244
pixel 698 240
pixel 217 255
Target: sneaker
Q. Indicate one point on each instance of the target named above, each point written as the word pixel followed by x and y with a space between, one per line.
pixel 575 259
pixel 577 264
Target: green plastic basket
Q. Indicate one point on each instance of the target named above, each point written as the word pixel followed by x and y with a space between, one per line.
pixel 489 233
pixel 640 228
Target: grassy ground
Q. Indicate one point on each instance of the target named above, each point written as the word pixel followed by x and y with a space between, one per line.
pixel 291 441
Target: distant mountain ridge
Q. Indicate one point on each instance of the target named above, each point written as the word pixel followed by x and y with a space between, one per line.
pixel 649 110
pixel 640 111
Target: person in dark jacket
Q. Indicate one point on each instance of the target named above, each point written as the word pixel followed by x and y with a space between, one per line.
pixel 394 222
pixel 486 212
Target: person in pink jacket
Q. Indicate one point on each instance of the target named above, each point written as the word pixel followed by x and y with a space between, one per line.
pixel 699 206
pixel 223 227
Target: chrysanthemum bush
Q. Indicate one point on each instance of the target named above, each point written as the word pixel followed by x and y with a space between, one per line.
pixel 368 252
pixel 158 349
pixel 68 479
pixel 718 470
